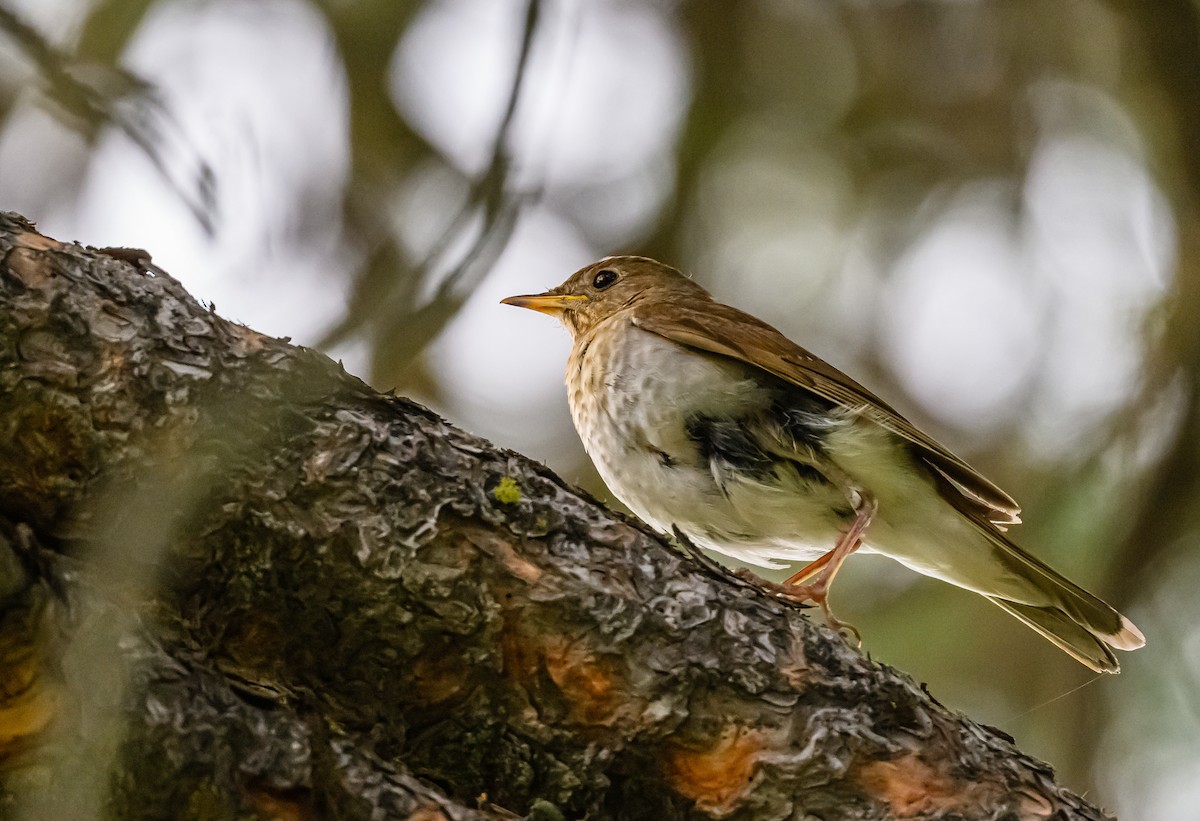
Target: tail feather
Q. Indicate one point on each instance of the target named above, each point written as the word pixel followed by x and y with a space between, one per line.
pixel 1065 633
pixel 1127 638
pixel 1076 621
pixel 1048 587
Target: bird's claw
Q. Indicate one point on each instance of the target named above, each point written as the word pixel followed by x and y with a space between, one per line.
pixel 800 594
pixel 843 627
pixel 797 595
pixel 781 592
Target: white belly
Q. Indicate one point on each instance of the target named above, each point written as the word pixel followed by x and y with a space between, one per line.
pixel 632 417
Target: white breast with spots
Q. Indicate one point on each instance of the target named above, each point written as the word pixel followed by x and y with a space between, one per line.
pixel 631 395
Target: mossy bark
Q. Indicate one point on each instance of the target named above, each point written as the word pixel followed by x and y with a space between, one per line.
pixel 237 582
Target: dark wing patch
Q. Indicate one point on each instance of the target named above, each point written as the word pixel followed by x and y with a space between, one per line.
pixel 728 447
pixel 715 328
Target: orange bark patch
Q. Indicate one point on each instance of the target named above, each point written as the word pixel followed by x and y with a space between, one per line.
pixel 590 687
pixel 274 805
pixel 503 552
pixel 719 777
pixel 795 666
pixel 429 813
pixel 32 267
pixel 28 261
pixel 589 684
pixel 36 241
pixel 1034 806
pixel 911 788
pixel 437 676
pixel 245 340
pixel 27 703
pixel 518 566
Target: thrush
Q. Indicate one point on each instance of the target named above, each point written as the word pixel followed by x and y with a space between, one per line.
pixel 705 420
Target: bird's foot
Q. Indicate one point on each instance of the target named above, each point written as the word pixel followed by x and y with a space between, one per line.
pixel 797 595
pixel 801 594
pixel 841 627
pixel 782 592
pixel 819 594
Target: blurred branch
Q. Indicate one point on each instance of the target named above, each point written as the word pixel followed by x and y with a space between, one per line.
pixel 401 326
pixel 119 98
pixel 714 30
pixel 108 28
pixel 1169 37
pixel 354 593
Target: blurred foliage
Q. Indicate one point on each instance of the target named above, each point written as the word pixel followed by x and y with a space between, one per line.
pixel 818 148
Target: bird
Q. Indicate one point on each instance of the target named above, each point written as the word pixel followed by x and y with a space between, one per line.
pixel 708 422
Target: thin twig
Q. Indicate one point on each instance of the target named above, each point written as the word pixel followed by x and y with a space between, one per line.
pixel 500 213
pixel 145 124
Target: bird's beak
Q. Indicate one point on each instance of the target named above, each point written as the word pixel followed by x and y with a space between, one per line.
pixel 553 304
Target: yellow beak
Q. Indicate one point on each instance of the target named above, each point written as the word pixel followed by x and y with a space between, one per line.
pixel 552 304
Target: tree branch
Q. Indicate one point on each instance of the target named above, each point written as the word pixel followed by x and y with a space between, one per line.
pixel 311 594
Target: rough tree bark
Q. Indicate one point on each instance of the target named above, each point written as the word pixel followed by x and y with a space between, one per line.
pixel 236 582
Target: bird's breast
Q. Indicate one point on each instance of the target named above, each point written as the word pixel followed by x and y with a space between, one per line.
pixel 633 391
pixel 672 433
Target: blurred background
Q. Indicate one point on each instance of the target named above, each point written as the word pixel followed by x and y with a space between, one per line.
pixel 986 211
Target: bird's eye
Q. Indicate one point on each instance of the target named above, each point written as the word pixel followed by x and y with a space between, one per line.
pixel 603 279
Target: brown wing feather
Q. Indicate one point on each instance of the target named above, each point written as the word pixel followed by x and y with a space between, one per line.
pixel 726 331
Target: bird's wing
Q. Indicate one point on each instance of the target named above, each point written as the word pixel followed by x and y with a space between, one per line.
pixel 720 329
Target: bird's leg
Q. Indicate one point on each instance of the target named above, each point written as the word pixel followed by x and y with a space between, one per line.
pixel 809 570
pixel 823 570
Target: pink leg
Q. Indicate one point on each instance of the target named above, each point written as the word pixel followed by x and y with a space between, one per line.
pixel 823 570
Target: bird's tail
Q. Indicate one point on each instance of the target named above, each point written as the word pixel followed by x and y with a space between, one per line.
pixel 1077 640
pixel 1073 619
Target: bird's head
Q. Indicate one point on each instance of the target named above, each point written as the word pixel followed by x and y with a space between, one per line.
pixel 602 289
